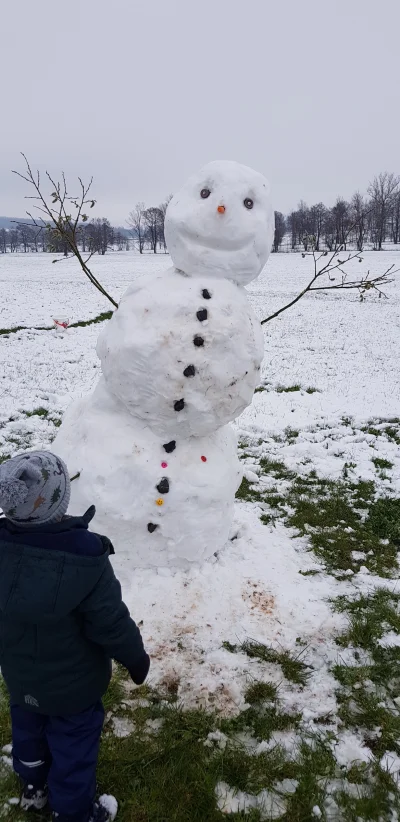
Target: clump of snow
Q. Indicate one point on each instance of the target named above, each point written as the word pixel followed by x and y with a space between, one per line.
pixel 391 762
pixel 270 805
pixel 350 748
pixel 216 738
pixel 316 811
pixel 390 640
pixel 122 727
pixel 152 726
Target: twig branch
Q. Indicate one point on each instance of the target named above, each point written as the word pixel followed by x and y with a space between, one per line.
pixel 335 264
pixel 59 221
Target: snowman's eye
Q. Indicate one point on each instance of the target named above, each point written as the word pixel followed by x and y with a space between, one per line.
pixel 204 193
pixel 248 203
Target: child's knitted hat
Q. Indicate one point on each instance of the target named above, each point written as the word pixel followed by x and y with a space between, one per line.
pixel 34 488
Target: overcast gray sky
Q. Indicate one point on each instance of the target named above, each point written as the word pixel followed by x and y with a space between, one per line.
pixel 140 94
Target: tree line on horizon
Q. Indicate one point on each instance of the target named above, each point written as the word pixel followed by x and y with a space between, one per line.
pixel 373 218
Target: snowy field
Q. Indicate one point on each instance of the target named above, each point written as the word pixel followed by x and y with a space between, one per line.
pixel 325 417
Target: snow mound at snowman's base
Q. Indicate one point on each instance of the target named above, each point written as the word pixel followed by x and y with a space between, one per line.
pixel 161 509
pixel 252 591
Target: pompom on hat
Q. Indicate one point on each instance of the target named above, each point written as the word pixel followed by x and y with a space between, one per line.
pixel 34 488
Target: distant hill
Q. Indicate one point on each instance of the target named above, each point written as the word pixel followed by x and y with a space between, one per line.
pixel 10 222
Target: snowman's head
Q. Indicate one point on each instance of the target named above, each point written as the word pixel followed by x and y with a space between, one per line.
pixel 221 223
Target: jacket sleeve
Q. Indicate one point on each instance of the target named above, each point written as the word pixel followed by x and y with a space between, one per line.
pixel 106 621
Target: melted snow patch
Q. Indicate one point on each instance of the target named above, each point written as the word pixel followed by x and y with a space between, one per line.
pixel 269 804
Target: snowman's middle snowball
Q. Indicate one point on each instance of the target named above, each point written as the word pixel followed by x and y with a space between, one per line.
pixel 152 340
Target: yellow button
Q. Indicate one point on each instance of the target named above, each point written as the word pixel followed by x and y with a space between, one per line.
pixel 159 501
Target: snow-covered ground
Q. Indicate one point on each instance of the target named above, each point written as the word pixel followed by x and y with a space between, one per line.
pixel 347 350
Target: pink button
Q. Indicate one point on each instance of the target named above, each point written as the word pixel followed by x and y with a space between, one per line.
pixel 164 465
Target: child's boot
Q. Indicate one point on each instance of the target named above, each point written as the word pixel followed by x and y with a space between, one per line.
pixel 34 798
pixel 104 809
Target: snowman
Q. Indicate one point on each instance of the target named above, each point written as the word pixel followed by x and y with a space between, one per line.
pixel 180 360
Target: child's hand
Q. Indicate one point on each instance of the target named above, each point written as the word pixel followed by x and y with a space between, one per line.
pixel 139 672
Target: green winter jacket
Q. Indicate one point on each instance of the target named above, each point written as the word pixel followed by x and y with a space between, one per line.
pixel 62 618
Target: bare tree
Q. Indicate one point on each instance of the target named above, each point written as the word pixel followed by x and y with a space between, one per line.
pixel 358 213
pixel 292 222
pixel 100 235
pixel 395 218
pixel 317 218
pixel 137 225
pixel 329 230
pixel 163 210
pixel 3 240
pixel 340 212
pixel 382 191
pixel 280 229
pixel 58 221
pixel 304 224
pixel 153 220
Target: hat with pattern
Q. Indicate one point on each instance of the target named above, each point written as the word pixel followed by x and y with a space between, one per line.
pixel 34 488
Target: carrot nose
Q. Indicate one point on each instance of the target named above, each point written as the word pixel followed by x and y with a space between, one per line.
pixel 221 209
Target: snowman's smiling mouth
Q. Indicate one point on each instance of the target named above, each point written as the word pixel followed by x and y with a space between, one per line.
pixel 222 243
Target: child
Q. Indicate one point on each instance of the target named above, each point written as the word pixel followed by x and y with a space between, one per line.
pixel 62 620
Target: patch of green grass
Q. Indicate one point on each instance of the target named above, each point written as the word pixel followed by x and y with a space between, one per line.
pixel 382 463
pixel 261 692
pixel 310 573
pixel 384 519
pixel 246 493
pixel 37 412
pixel 328 513
pixel 276 467
pixel 389 428
pixel 116 690
pixel 376 799
pixel 254 773
pixel 312 390
pixel 291 434
pixel 316 766
pixel 105 315
pixel 292 667
pixel 4 457
pixel 347 421
pixel 56 421
pixel 368 690
pixel 369 617
pixel 289 389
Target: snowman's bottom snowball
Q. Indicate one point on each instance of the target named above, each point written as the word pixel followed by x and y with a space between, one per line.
pixel 120 461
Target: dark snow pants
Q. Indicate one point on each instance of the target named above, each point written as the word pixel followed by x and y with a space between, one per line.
pixel 62 752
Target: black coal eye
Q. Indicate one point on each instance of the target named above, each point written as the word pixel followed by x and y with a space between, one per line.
pixel 248 202
pixel 204 193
